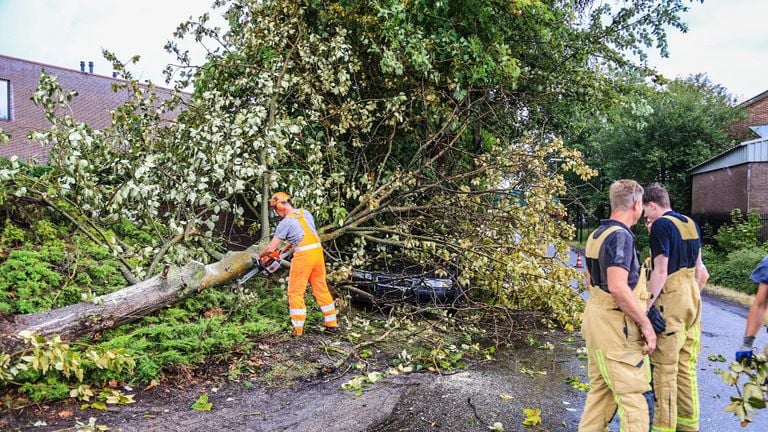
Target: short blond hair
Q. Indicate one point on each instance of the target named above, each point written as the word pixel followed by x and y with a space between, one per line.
pixel 624 193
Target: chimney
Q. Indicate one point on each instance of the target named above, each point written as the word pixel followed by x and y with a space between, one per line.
pixel 82 66
pixel 90 67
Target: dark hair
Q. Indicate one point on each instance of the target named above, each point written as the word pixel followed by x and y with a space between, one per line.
pixel 656 193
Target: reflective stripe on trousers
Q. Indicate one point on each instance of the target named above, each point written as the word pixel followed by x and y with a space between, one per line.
pixel 619 373
pixel 676 356
pixel 309 266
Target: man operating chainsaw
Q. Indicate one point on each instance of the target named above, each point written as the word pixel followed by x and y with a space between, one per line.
pixel 297 228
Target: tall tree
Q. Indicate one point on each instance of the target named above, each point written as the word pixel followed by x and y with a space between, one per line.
pixel 659 134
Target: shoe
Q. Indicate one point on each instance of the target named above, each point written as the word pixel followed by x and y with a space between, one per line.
pixel 332 330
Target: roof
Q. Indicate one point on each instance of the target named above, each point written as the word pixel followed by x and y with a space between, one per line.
pixel 61 68
pixel 754 99
pixel 746 152
pixel 96 99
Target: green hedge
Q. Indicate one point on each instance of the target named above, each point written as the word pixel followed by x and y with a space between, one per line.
pixel 732 270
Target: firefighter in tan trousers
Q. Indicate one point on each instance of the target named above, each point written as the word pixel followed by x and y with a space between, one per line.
pixel 677 277
pixel 297 228
pixel 618 334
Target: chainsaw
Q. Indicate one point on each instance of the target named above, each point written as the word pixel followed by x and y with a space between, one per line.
pixel 267 265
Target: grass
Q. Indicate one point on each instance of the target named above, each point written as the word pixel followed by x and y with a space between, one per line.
pixel 730 294
pixel 285 374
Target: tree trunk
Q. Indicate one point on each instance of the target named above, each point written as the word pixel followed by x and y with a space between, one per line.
pixel 128 304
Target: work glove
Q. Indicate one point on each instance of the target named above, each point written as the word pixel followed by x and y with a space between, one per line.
pixel 745 353
pixel 657 320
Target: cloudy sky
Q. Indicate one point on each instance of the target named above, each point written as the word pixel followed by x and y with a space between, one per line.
pixel 65 32
pixel 727 39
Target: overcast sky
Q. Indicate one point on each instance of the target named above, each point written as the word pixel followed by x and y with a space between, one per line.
pixel 65 32
pixel 727 39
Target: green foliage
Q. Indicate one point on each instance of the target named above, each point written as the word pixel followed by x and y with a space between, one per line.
pixel 202 404
pixel 740 233
pixel 11 236
pixel 45 230
pixel 182 335
pixel 27 282
pixel 657 133
pixel 751 392
pixel 177 336
pixel 737 252
pixel 50 388
pixel 47 369
pixel 575 382
pixel 55 270
pixel 733 271
pixel 532 417
pixel 360 383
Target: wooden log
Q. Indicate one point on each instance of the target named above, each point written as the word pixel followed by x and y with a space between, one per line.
pixel 128 304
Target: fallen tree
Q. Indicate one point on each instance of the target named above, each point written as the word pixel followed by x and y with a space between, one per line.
pixel 408 135
pixel 126 305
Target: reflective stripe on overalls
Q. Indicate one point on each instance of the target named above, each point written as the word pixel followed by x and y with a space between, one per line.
pixel 308 265
pixel 619 372
pixel 677 348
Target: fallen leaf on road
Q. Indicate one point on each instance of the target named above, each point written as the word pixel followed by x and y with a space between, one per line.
pixel 152 384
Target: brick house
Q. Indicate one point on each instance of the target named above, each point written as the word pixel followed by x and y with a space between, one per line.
pixel 19 116
pixel 738 177
pixel 757 116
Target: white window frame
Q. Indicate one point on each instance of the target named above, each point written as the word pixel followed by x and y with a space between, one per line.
pixel 5 99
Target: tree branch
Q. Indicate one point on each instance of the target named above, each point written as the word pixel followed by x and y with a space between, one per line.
pixel 129 276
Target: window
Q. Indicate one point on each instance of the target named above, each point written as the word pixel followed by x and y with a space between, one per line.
pixel 5 99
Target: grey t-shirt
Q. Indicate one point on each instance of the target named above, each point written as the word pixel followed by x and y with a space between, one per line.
pixel 289 229
pixel 618 251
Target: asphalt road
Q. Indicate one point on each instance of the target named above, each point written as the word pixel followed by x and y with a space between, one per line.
pixel 722 330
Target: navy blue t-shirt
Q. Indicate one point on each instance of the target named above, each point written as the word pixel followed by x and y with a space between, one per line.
pixel 618 251
pixel 760 273
pixel 665 240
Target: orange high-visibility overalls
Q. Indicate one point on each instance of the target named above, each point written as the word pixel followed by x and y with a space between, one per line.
pixel 308 265
pixel 675 383
pixel 619 372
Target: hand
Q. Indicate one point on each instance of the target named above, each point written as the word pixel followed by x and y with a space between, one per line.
pixel 650 338
pixel 744 355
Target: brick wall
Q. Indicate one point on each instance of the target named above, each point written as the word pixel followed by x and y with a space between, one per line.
pixel 757 115
pixel 720 191
pixel 758 187
pixel 91 106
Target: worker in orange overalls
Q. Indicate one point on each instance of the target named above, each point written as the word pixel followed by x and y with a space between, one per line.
pixel 308 264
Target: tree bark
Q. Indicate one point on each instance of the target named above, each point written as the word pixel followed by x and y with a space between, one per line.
pixel 128 304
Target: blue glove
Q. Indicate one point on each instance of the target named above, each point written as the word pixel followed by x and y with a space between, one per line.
pixel 744 356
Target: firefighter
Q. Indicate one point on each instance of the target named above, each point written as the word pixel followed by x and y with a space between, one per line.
pixel 756 317
pixel 618 334
pixel 297 228
pixel 677 276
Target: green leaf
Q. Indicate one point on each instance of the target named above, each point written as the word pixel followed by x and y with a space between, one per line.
pixel 202 403
pixel 532 417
